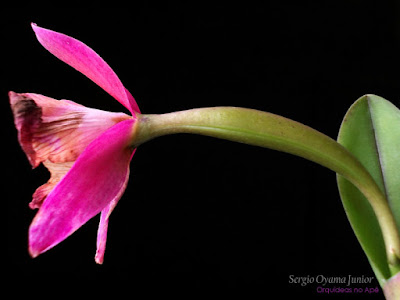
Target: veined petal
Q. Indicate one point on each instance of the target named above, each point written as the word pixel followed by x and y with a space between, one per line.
pixel 57 172
pixel 87 61
pixel 57 130
pixel 98 177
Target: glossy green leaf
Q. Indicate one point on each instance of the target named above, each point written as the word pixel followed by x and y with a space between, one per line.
pixel 371 131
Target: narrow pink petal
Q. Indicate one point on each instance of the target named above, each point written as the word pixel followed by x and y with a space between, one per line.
pixel 102 232
pixel 87 61
pixel 98 176
pixel 103 225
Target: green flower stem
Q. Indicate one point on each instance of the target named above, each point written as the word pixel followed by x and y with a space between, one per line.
pixel 275 132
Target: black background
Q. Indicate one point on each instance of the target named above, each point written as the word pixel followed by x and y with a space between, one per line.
pixel 202 213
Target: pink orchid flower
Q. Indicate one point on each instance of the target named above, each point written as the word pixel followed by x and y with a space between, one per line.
pixel 87 151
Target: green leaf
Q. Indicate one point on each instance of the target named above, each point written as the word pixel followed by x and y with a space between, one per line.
pixel 371 131
pixel 386 121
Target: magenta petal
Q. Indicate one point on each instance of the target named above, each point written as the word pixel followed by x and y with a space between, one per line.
pixel 102 232
pixel 98 176
pixel 132 101
pixel 88 62
pixel 103 226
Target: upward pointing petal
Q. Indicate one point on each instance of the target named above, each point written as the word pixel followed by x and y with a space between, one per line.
pixel 87 61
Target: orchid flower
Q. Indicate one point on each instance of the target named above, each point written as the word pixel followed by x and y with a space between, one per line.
pixel 87 151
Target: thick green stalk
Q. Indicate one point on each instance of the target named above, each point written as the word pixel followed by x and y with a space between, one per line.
pixel 275 132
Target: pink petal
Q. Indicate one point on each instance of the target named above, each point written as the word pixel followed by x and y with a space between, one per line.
pixel 88 62
pixel 102 232
pixel 132 102
pixel 103 226
pixel 98 176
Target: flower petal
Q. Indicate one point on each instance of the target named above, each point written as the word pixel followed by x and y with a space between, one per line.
pixel 98 176
pixel 57 172
pixel 57 130
pixel 103 225
pixel 87 61
pixel 102 231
